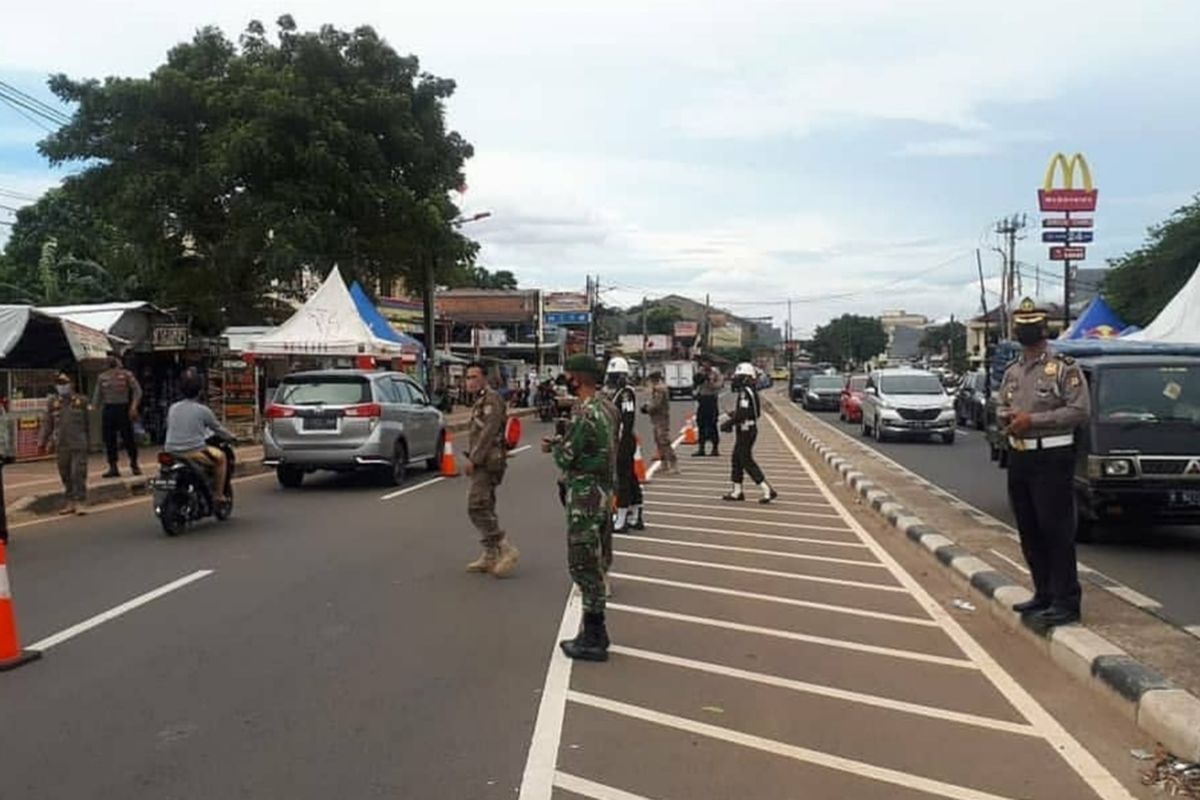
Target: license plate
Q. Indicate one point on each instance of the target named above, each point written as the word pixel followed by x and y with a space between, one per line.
pixel 161 485
pixel 922 424
pixel 320 423
pixel 1188 499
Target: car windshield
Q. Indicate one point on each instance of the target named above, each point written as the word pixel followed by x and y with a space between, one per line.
pixel 329 390
pixel 825 382
pixel 1150 394
pixel 802 375
pixel 858 383
pixel 910 384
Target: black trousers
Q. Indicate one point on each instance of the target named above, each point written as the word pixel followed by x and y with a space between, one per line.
pixel 743 457
pixel 707 413
pixel 114 421
pixel 1042 494
pixel 629 491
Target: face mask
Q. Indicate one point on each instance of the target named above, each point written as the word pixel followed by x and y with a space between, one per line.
pixel 63 389
pixel 1029 335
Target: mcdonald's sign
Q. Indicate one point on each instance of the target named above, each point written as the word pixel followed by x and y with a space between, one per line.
pixel 1067 198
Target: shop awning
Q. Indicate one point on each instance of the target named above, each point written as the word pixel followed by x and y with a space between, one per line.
pixel 378 324
pixel 33 339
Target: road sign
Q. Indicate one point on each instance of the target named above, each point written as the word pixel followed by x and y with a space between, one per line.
pixel 1068 253
pixel 1064 237
pixel 1068 222
pixel 1067 199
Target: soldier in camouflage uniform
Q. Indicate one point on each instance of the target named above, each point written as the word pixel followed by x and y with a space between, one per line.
pixel 66 430
pixel 583 453
pixel 487 461
pixel 659 410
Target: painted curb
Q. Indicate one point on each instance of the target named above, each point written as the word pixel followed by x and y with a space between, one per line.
pixel 1169 714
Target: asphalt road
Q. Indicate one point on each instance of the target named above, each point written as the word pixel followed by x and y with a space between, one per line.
pixel 1161 562
pixel 327 643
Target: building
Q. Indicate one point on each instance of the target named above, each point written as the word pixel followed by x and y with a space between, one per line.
pixel 899 318
pixel 994 325
pixel 725 330
pixel 904 343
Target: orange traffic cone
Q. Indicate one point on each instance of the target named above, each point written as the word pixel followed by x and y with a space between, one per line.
pixel 689 430
pixel 449 467
pixel 11 654
pixel 639 463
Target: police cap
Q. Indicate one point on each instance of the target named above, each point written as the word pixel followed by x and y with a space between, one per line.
pixel 581 362
pixel 1028 313
pixel 62 378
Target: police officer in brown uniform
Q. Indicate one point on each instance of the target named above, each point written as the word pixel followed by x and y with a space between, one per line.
pixel 1043 399
pixel 486 464
pixel 66 430
pixel 118 395
pixel 659 410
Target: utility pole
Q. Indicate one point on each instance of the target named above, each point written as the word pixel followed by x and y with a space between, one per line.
pixel 1009 228
pixel 588 348
pixel 950 344
pixel 705 325
pixel 791 346
pixel 645 365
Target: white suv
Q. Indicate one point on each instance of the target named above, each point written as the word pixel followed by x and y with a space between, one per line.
pixel 907 401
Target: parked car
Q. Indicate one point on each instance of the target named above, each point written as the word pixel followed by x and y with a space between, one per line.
pixel 344 420
pixel 970 403
pixel 850 405
pixel 824 393
pixel 907 402
pixel 801 373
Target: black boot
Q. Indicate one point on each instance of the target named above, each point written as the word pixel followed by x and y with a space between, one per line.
pixel 639 521
pixel 716 452
pixel 592 642
pixel 113 472
pixel 699 453
pixel 1031 606
pixel 135 469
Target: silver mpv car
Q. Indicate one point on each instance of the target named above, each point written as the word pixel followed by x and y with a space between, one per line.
pixel 345 420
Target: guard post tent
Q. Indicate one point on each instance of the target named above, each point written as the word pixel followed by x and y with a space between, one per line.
pixel 413 352
pixel 1179 321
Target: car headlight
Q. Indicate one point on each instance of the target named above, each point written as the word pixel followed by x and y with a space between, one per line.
pixel 1117 468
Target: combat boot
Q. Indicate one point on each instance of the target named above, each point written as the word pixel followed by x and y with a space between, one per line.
pixel 112 471
pixel 486 561
pixel 507 557
pixel 592 642
pixel 639 521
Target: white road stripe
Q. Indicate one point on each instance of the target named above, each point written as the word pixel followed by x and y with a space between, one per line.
pixel 1134 597
pixel 749 505
pixel 1073 753
pixel 650 491
pixel 752 550
pixel 773 573
pixel 519 450
pixel 402 492
pixel 774 598
pixel 116 611
pixel 769 536
pixel 777 633
pixel 537 782
pixel 1011 562
pixel 657 465
pixel 789 525
pixel 805 687
pixel 596 791
pixel 857 768
pixel 1194 630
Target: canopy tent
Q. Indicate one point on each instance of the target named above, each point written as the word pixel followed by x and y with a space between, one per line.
pixel 32 339
pixel 379 326
pixel 328 324
pixel 1179 322
pixel 100 316
pixel 1098 321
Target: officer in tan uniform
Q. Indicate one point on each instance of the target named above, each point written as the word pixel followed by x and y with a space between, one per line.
pixel 1043 399
pixel 66 430
pixel 659 410
pixel 487 461
pixel 119 395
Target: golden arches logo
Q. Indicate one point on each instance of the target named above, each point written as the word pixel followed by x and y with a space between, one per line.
pixel 1068 165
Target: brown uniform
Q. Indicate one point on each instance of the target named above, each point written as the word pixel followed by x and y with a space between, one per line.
pixel 1041 469
pixel 117 391
pixel 489 459
pixel 66 429
pixel 659 409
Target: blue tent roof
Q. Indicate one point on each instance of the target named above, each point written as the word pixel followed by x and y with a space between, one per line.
pixel 379 326
pixel 1098 321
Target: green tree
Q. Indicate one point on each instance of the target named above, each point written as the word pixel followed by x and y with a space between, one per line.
pixel 480 278
pixel 947 339
pixel 232 168
pixel 1139 284
pixel 849 340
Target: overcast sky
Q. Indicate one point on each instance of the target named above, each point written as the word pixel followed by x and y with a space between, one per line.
pixel 847 154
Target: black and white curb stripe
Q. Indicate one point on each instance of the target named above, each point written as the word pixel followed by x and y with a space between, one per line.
pixel 1169 714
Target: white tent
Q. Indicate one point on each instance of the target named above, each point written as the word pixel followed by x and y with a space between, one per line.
pixel 1179 322
pixel 328 324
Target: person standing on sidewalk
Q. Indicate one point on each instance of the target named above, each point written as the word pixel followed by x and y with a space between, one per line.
pixel 487 461
pixel 629 489
pixel 659 410
pixel 66 430
pixel 708 390
pixel 744 420
pixel 119 395
pixel 1043 399
pixel 582 453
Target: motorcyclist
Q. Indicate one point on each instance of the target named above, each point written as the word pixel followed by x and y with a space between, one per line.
pixel 190 423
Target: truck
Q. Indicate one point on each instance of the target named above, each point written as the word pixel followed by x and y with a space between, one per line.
pixel 680 377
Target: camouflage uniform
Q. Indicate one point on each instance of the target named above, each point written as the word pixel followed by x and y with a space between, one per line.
pixel 659 409
pixel 584 455
pixel 486 453
pixel 66 428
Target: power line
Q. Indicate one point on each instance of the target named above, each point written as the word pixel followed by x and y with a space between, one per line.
pixel 37 106
pixel 16 195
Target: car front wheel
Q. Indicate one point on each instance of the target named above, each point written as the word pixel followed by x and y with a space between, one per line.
pixel 399 468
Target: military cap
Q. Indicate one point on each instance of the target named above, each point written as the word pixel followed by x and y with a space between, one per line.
pixel 62 377
pixel 581 362
pixel 1028 313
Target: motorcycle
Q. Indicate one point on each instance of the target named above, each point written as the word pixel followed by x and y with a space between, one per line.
pixel 547 403
pixel 183 490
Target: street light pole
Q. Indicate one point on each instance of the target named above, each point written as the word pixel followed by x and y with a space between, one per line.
pixel 429 301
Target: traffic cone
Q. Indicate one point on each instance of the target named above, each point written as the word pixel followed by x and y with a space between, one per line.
pixel 449 467
pixel 689 430
pixel 639 463
pixel 11 654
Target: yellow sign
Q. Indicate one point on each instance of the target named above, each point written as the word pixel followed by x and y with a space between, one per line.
pixel 1068 166
pixel 1067 198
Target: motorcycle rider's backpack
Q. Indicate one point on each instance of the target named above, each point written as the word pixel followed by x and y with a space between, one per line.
pixel 512 433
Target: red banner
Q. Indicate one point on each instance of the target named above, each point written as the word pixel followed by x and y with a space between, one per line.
pixel 1059 200
pixel 1068 253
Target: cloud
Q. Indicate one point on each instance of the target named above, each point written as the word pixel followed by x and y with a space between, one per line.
pixel 950 147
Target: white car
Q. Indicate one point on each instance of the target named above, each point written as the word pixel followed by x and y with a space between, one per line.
pixel 899 402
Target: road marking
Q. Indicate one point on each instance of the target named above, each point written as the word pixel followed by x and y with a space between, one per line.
pixel 777 633
pixel 753 550
pixel 1134 597
pixel 805 687
pixel 537 782
pixel 653 491
pixel 771 536
pixel 116 611
pixel 1073 753
pixel 1011 562
pixel 773 598
pixel 1194 630
pixel 803 754
pixel 749 505
pixel 402 492
pixel 774 573
pixel 596 791
pixel 657 465
pixel 519 450
pixel 789 525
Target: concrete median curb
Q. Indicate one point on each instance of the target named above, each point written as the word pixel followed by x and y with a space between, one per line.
pixel 1166 712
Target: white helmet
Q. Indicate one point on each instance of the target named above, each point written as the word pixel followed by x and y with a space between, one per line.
pixel 618 365
pixel 745 370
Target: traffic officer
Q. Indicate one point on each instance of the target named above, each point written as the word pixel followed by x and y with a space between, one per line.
pixel 629 490
pixel 708 388
pixel 743 420
pixel 1043 399
pixel 582 453
pixel 659 410
pixel 486 463
pixel 119 395
pixel 66 430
